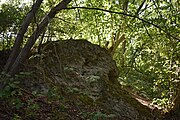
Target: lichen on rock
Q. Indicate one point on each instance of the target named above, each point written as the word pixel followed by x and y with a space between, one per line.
pixel 85 72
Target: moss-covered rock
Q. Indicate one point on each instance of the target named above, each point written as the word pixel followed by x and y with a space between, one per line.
pixel 85 76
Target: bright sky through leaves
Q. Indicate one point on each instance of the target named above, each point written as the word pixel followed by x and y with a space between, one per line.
pixel 3 1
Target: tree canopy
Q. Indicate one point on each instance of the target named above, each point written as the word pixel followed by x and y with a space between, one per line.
pixel 143 36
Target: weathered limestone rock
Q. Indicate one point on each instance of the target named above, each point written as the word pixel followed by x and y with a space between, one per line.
pixel 89 74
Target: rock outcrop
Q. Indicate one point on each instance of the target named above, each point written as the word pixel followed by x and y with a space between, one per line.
pixel 86 76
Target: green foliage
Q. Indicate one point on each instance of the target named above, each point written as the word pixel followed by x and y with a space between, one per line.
pixel 11 17
pixel 148 59
pixel 9 86
pixel 14 96
pixel 16 117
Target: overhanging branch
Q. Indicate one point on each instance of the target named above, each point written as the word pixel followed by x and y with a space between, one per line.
pixel 129 15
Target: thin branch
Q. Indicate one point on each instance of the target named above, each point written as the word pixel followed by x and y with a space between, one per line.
pixel 129 15
pixel 140 7
pixel 147 31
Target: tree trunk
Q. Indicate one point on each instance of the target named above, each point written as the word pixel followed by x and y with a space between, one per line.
pixel 23 54
pixel 20 35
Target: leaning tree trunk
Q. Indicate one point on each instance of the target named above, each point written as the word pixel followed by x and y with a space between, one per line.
pixel 23 54
pixel 20 35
